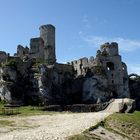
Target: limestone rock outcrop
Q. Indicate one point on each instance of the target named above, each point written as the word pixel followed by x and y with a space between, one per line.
pixel 95 89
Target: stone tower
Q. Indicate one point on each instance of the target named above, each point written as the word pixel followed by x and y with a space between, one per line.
pixel 115 69
pixel 47 33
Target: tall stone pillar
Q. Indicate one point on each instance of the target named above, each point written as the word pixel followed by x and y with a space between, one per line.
pixel 47 33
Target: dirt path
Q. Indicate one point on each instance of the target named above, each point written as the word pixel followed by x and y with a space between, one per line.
pixel 51 127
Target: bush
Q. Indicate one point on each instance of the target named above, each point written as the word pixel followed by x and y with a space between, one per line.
pixel 99 70
pixel 11 63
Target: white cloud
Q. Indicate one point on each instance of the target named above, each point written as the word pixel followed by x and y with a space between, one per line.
pixel 124 44
pixel 95 41
pixel 128 44
pixel 86 21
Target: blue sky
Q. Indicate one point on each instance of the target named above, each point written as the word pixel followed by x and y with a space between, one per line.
pixel 81 26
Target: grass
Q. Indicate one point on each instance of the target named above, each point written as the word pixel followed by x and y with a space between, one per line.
pixel 132 117
pixel 6 123
pixel 79 137
pixel 29 111
pixel 126 125
pixel 84 136
pixel 34 110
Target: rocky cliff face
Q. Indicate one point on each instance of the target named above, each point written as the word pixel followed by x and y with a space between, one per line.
pixel 16 81
pixel 29 82
pixel 95 89
pixel 56 91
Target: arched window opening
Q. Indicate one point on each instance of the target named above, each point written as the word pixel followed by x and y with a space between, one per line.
pixel 110 66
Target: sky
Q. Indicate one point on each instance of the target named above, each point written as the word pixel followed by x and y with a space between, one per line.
pixel 81 26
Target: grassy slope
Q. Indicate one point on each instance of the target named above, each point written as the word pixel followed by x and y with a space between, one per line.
pixel 127 125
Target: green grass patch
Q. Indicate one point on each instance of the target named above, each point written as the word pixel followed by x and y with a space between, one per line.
pixel 29 111
pixel 83 136
pixel 2 103
pixel 78 137
pixel 34 110
pixel 125 119
pixel 6 123
pixel 127 125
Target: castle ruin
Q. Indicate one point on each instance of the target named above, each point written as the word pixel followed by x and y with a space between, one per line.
pixel 97 79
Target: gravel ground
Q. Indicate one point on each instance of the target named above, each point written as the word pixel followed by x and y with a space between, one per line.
pixel 52 127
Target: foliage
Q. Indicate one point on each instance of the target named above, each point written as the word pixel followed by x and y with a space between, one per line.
pixel 2 102
pixel 99 70
pixel 38 62
pixel 104 53
pixel 11 63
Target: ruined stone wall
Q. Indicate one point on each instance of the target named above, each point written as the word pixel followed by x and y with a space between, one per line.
pixel 61 72
pixel 13 59
pixel 64 68
pixel 41 48
pixel 80 66
pixel 22 52
pixel 113 68
pixel 115 71
pixel 107 63
pixel 3 57
pixel 110 49
pixel 36 48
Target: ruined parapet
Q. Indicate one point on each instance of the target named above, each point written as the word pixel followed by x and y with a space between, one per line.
pixel 62 73
pixel 22 52
pixel 47 33
pixel 3 57
pixel 80 66
pixel 110 49
pixel 37 48
pixel 64 68
pixel 91 59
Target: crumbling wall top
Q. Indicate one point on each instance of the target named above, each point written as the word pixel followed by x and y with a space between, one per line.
pixel 111 49
pixel 109 45
pixel 46 26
